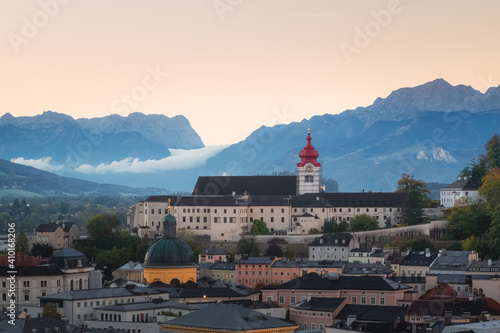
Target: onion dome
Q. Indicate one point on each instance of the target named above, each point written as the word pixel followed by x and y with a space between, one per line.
pixel 308 154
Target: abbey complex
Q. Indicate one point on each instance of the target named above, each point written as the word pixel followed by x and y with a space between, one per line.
pixel 224 207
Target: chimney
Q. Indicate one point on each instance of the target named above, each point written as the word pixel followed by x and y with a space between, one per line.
pixel 427 253
pixel 447 318
pixel 489 262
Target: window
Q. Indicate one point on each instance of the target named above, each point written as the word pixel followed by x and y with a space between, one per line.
pixel 79 305
pixel 292 299
pixel 373 301
pixel 152 211
pixel 282 299
pixel 382 300
pixel 363 299
pixel 4 297
pixel 269 298
pixel 26 297
pixel 354 300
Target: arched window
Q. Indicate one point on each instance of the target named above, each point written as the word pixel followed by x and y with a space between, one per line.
pixel 71 285
pixel 81 284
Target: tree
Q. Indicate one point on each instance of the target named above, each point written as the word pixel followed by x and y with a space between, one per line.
pixel 274 250
pixel 466 220
pixel 332 226
pixel 416 198
pixel 493 152
pixel 188 236
pixel 420 244
pixel 259 228
pixel 51 311
pixel 490 189
pixel 363 222
pixel 22 243
pixel 247 245
pixel 475 243
pixel 42 250
pixel 102 225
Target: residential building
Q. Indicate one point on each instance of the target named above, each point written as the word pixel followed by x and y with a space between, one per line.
pixel 57 234
pixel 360 255
pixel 284 270
pixel 139 316
pixel 369 318
pixel 417 263
pixel 68 270
pixel 331 247
pixel 251 271
pixel 359 269
pixel 459 282
pixel 131 271
pixel 225 271
pixel 370 290
pixel 316 312
pixel 213 256
pixel 463 188
pixel 222 317
pixel 78 305
pixel 417 283
pixel 452 262
pixel 485 267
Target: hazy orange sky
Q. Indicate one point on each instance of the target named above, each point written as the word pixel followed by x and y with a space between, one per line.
pixel 234 65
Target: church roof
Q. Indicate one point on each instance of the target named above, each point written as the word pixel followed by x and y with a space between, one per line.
pixel 251 185
pixel 308 154
pixel 169 252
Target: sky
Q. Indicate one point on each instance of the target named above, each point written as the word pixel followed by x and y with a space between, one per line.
pixel 231 66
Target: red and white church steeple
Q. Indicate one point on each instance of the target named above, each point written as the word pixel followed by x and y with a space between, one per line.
pixel 308 169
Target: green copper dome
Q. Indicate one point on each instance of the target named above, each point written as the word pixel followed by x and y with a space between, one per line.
pixel 169 252
pixel 169 219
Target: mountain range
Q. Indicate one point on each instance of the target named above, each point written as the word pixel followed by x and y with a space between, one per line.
pixel 432 131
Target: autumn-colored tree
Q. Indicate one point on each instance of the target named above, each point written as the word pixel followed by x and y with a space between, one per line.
pixel 490 190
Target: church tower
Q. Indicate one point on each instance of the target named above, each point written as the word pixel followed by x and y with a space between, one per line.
pixel 308 170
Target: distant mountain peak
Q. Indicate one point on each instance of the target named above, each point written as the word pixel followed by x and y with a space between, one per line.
pixel 436 95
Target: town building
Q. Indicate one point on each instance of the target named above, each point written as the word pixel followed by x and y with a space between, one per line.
pixel 225 271
pixel 461 189
pixel 131 271
pixel 57 234
pixel 67 270
pixel 222 208
pixel 417 263
pixel 139 316
pixel 316 312
pixel 369 290
pixel 251 271
pixel 222 317
pixel 452 262
pixel 78 305
pixel 331 247
pixel 361 255
pixel 369 318
pixel 213 256
pixel 169 260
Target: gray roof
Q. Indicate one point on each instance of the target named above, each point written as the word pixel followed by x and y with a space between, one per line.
pixel 451 278
pixel 217 251
pixel 131 266
pixel 137 306
pixel 252 185
pixel 67 253
pixel 228 266
pixel 320 303
pixel 452 260
pixel 366 268
pixel 256 260
pixel 419 258
pixel 339 239
pixel 228 317
pixel 462 184
pixel 485 266
pixel 99 293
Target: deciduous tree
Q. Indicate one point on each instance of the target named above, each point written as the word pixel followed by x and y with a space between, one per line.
pixel 363 222
pixel 259 228
pixel 102 225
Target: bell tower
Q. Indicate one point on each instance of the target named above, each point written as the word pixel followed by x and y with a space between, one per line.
pixel 308 169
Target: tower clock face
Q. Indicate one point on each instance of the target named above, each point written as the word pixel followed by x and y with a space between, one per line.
pixel 309 167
